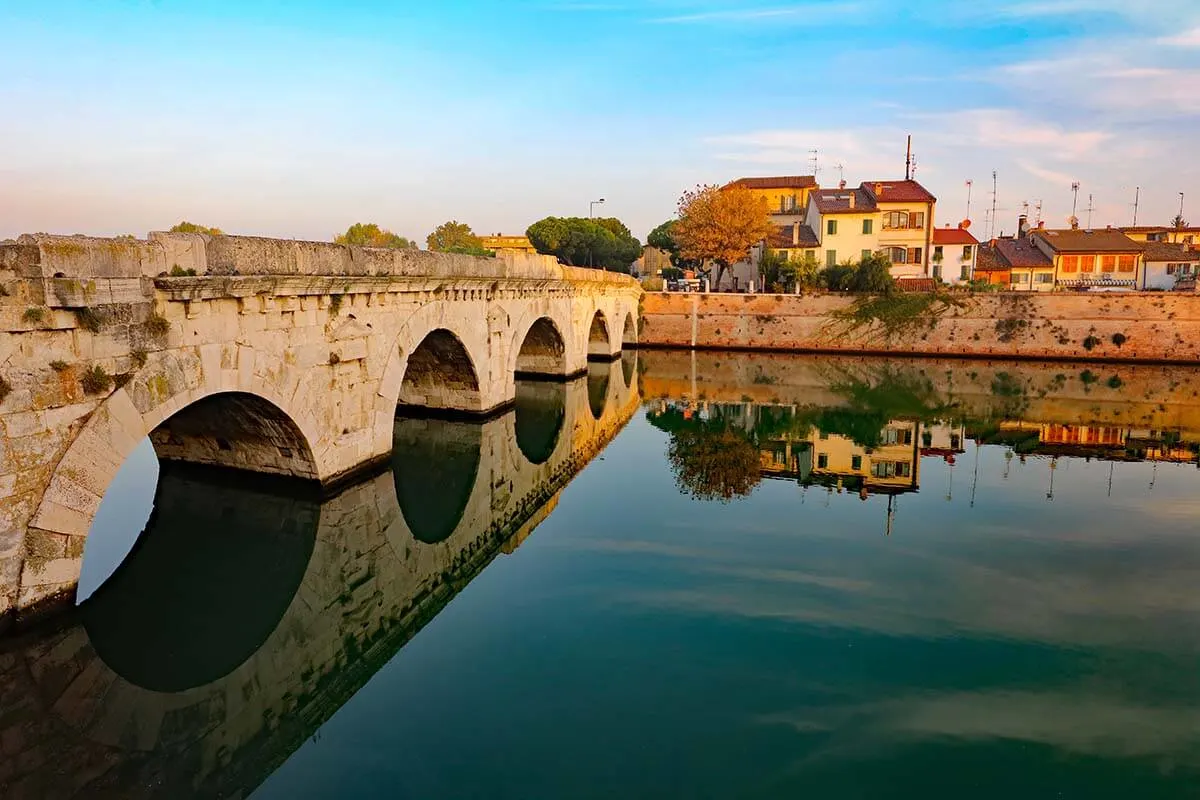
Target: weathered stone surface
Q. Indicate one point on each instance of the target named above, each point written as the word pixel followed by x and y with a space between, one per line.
pixel 297 353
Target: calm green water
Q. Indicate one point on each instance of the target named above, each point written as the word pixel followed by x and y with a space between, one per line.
pixel 783 577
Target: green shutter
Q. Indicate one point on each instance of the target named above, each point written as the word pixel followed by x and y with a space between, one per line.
pixel 831 258
pixel 868 226
pixel 831 227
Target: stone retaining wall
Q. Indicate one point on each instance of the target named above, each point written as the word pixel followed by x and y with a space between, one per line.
pixel 1149 326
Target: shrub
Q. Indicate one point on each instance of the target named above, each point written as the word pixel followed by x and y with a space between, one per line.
pixel 59 366
pixel 1091 342
pixel 95 380
pixel 1119 339
pixel 5 389
pixel 88 319
pixel 157 325
pixel 1088 377
pixel 335 304
pixel 179 272
pixel 34 315
pixel 1115 382
pixel 139 357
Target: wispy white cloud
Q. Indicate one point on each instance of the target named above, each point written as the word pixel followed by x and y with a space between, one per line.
pixel 1189 38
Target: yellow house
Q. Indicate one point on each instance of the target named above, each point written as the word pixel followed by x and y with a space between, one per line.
pixel 786 195
pixel 1085 258
pixel 906 224
pixel 508 244
pixel 845 223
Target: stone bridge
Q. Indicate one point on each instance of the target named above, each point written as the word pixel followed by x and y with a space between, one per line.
pixel 273 356
pixel 201 683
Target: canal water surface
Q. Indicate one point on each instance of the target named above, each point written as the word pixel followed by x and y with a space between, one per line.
pixel 737 577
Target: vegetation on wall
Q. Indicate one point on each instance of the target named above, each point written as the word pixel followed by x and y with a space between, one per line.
pixel 34 315
pixel 95 380
pixel 892 315
pixel 5 389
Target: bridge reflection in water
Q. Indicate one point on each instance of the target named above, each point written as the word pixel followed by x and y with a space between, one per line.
pixel 245 615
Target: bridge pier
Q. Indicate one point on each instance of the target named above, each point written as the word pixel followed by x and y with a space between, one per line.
pixel 283 357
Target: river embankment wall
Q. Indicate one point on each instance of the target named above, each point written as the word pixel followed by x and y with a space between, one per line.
pixel 1133 326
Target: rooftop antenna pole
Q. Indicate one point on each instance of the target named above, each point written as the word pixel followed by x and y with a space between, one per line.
pixel 969 182
pixel 813 159
pixel 1037 213
pixel 841 168
pixel 992 227
pixel 908 160
pixel 1091 207
pixel 1075 200
pixel 1137 196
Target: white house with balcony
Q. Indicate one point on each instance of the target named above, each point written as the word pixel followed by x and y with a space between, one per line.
pixel 954 254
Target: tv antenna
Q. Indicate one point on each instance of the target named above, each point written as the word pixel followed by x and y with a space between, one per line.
pixel 841 168
pixel 1037 213
pixel 992 225
pixel 969 183
pixel 1075 199
pixel 1137 196
pixel 1091 207
pixel 812 156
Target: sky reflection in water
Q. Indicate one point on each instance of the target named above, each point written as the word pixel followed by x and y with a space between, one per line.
pixel 980 639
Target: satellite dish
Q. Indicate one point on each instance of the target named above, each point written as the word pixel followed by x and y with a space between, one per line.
pixel 966 223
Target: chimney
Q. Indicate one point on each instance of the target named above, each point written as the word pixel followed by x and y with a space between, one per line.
pixel 841 184
pixel 1041 224
pixel 1022 226
pixel 851 196
pixel 878 189
pixel 796 233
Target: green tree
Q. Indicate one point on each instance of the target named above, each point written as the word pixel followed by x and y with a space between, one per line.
pixel 808 271
pixel 605 243
pixel 1179 222
pixel 873 275
pixel 455 237
pixel 371 235
pixel 191 227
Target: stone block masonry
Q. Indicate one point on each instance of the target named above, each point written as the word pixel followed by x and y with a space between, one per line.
pixel 276 356
pixel 1133 327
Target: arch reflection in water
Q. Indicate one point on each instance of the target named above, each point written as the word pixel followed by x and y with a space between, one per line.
pixel 539 413
pixel 598 380
pixel 207 581
pixel 435 463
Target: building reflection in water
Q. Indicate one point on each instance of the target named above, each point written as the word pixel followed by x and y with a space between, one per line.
pixel 249 611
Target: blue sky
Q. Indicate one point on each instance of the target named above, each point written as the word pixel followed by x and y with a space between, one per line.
pixel 296 118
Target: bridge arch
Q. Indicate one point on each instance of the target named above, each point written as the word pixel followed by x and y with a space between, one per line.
pixel 599 341
pixel 629 335
pixel 542 351
pixel 440 374
pixel 183 403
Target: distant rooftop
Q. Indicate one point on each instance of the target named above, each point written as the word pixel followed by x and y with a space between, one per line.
pixel 953 236
pixel 1022 253
pixel 1166 251
pixel 776 182
pixel 785 236
pixel 1084 241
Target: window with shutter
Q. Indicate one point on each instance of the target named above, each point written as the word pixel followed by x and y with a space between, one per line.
pixel 1070 263
pixel 914 256
pixel 1087 263
pixel 1127 263
pixel 1108 263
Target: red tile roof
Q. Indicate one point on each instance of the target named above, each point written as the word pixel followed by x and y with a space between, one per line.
pixel 837 201
pixel 777 182
pixel 898 192
pixel 1021 253
pixel 782 238
pixel 916 284
pixel 953 236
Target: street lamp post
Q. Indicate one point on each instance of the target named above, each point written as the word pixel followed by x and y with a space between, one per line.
pixel 592 215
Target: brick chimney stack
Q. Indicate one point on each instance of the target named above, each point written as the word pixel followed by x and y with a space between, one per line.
pixel 851 196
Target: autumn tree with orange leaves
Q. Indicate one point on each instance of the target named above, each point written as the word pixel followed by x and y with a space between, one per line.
pixel 720 225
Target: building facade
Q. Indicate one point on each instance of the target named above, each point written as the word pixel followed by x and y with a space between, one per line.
pixel 786 195
pixel 1090 258
pixel 1168 266
pixel 955 251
